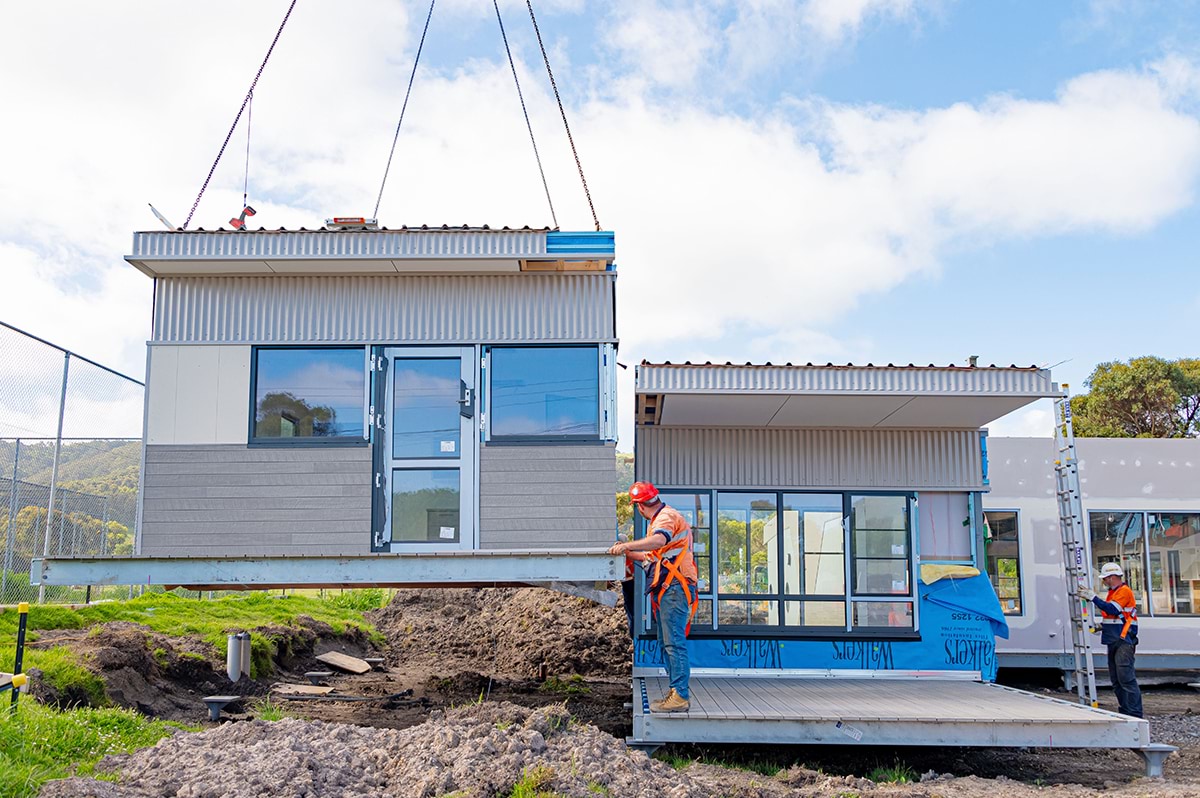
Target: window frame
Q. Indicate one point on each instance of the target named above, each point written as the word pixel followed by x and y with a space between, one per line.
pixel 1143 601
pixel 717 631
pixel 1020 562
pixel 364 439
pixel 488 398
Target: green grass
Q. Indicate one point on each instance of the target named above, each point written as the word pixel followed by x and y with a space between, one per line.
pixel 61 670
pixel 572 685
pixel 760 766
pixel 210 620
pixel 270 710
pixel 39 743
pixel 896 773
pixel 533 783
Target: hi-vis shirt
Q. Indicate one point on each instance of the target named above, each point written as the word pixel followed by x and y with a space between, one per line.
pixel 668 521
pixel 1119 611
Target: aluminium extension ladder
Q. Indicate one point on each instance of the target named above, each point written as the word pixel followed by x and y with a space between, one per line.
pixel 1075 560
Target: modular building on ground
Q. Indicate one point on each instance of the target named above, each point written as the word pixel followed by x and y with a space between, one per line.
pixel 374 406
pixel 838 520
pixel 1141 502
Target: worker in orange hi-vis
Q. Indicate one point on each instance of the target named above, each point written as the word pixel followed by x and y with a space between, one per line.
pixel 1118 631
pixel 670 583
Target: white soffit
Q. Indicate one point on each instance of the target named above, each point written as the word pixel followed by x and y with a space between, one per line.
pixel 836 412
pixel 720 411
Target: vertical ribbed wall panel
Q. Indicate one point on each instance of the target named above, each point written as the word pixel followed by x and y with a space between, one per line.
pixel 417 308
pixel 810 458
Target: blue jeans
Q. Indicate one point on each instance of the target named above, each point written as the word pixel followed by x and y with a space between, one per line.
pixel 1124 680
pixel 672 620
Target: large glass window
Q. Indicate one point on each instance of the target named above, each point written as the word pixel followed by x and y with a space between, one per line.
pixel 789 559
pixel 880 543
pixel 546 391
pixel 1118 537
pixel 1004 558
pixel 747 559
pixel 1174 563
pixel 814 559
pixel 309 394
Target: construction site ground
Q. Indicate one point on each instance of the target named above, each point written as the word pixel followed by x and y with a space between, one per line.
pixel 483 689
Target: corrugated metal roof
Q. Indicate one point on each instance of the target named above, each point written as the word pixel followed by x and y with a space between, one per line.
pixel 406 242
pixel 709 378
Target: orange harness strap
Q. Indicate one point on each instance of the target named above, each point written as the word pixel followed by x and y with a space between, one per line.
pixel 673 573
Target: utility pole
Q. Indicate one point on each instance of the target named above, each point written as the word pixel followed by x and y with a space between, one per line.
pixel 62 410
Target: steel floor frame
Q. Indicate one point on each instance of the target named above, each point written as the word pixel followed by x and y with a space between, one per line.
pixel 888 708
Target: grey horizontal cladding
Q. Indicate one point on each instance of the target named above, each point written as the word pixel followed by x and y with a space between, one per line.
pixel 386 308
pixel 240 500
pixel 338 244
pixel 810 458
pixel 985 381
pixel 555 495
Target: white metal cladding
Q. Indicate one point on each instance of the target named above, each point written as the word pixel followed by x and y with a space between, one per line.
pixel 437 308
pixel 338 244
pixel 994 380
pixel 810 458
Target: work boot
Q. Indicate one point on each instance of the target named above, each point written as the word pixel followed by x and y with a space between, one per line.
pixel 672 702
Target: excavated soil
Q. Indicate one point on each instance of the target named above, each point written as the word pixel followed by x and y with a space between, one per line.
pixel 484 750
pixel 468 675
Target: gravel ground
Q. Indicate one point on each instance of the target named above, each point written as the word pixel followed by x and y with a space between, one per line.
pixel 484 750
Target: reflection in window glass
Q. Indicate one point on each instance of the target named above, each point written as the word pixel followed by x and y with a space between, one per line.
pixel 309 393
pixel 425 505
pixel 694 509
pixel 892 615
pixel 813 545
pixel 747 546
pixel 1004 559
pixel 815 613
pixel 1117 537
pixel 880 535
pixel 746 613
pixel 1174 563
pixel 545 391
pixel 425 408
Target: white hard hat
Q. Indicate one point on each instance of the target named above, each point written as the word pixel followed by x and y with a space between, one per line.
pixel 1111 569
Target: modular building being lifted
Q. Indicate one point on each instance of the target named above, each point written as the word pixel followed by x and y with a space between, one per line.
pixel 837 513
pixel 369 406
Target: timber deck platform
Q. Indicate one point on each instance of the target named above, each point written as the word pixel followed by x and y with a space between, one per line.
pixel 924 709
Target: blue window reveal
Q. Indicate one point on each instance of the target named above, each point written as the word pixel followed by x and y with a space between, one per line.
pixel 545 392
pixel 309 394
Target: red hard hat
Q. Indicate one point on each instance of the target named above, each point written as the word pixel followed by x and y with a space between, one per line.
pixel 640 492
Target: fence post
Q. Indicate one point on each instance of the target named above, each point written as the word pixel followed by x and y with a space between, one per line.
pixel 62 410
pixel 10 532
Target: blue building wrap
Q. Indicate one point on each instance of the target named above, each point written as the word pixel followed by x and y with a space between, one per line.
pixel 960 621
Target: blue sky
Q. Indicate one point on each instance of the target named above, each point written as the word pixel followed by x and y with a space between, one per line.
pixel 846 180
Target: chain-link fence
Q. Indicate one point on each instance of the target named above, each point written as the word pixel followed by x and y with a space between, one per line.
pixel 70 462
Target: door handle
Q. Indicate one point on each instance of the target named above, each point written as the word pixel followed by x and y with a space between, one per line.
pixel 466 400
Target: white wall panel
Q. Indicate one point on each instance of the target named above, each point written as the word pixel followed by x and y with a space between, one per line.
pixel 198 395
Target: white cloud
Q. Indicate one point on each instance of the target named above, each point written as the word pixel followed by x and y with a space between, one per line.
pixel 1033 421
pixel 835 20
pixel 738 238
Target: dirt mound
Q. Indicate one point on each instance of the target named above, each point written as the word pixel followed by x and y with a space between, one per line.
pixel 166 677
pixel 475 751
pixel 525 632
pixel 483 751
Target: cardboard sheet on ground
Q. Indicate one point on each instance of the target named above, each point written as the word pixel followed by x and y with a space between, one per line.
pixel 345 662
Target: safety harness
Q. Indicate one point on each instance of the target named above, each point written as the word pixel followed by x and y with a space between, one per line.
pixel 671 566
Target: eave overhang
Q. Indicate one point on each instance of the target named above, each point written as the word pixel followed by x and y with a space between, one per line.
pixel 831 396
pixel 447 250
